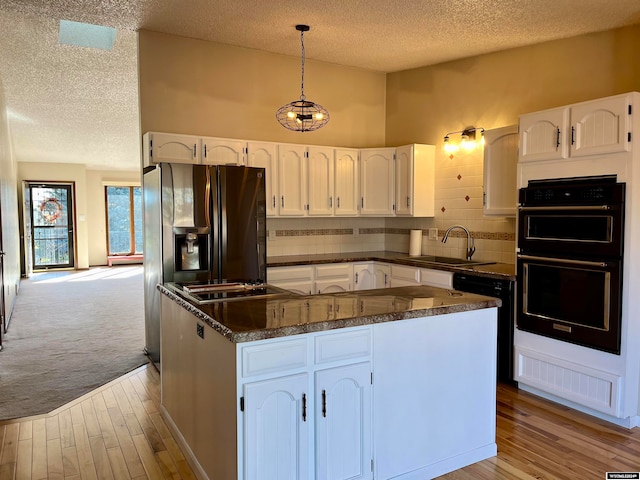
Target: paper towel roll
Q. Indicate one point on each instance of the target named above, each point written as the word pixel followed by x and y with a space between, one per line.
pixel 415 243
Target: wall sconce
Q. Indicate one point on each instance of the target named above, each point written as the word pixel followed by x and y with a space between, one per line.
pixel 468 140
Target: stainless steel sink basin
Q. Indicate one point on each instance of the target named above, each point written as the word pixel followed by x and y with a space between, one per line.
pixel 448 261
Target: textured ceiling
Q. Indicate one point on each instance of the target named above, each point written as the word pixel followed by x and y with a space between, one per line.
pixel 79 105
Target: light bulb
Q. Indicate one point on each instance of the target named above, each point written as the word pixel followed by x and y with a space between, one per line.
pixel 291 114
pixel 319 116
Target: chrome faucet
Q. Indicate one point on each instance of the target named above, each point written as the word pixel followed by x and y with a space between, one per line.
pixel 470 249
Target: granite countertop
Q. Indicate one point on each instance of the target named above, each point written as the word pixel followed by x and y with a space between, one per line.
pixel 505 271
pixel 289 314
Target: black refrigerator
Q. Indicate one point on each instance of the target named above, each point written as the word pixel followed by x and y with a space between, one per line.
pixel 201 224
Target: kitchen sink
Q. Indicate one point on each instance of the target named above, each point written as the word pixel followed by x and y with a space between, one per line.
pixel 448 261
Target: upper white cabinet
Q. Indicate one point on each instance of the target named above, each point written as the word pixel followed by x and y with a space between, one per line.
pixel 223 151
pixel 500 170
pixel 265 155
pixel 589 128
pixel 377 181
pixel 292 180
pixel 166 147
pixel 543 135
pixel 305 181
pixel 414 180
pixel 601 126
pixel 320 182
pixel 346 190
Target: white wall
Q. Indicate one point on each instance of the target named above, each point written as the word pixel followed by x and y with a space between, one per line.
pixel 9 204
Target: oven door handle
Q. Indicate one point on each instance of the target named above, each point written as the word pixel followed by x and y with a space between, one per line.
pixel 566 208
pixel 563 260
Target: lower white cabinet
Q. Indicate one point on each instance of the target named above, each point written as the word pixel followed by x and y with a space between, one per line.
pixel 404 276
pixel 295 279
pixel 276 439
pixel 436 278
pixel 370 275
pixel 343 422
pixel 310 280
pixel 311 424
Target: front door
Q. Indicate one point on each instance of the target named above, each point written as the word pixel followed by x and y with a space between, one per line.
pixel 51 225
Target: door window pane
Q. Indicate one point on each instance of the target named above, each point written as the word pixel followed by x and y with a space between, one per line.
pixel 51 225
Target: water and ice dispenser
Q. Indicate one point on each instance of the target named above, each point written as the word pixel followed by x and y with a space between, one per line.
pixel 191 249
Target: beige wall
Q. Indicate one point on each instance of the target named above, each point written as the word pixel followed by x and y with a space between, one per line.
pixel 491 91
pixel 204 88
pixel 9 203
pixel 91 243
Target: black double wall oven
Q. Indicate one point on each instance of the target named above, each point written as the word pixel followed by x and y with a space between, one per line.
pixel 569 263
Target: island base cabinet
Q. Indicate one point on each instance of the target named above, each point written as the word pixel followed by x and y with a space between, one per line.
pixel 276 440
pixel 434 394
pixel 343 422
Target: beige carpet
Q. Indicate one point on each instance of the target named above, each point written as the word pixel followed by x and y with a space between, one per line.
pixel 70 333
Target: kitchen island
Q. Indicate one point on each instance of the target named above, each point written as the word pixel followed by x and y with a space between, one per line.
pixel 395 383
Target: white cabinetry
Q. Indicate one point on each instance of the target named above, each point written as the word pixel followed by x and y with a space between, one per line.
pixel 265 155
pixel 292 180
pixel 436 278
pixel 277 428
pixel 543 135
pixel 223 151
pixel 308 280
pixel 414 180
pixel 500 171
pixel 346 189
pixel 312 424
pixel 601 126
pixel 376 181
pixel 370 275
pixel 333 278
pixel 381 274
pixel 589 128
pixel 320 181
pixel 167 147
pixel 296 279
pixel 343 422
pixel 404 276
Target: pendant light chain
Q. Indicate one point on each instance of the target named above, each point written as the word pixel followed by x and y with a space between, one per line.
pixel 302 97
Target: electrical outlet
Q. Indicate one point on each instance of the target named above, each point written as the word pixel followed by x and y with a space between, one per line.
pixel 433 234
pixel 356 231
pixel 272 234
pixel 200 330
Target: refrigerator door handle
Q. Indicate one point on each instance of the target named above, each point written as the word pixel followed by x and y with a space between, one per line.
pixel 207 199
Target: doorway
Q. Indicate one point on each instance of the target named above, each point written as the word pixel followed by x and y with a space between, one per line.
pixel 52 225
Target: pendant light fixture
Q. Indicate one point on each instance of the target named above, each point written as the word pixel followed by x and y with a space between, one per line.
pixel 302 115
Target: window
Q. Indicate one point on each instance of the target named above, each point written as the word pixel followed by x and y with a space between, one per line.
pixel 124 220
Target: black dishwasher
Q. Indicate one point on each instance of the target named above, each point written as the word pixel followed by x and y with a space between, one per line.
pixel 504 290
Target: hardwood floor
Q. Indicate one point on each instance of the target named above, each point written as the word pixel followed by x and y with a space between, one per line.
pixel 116 432
pixel 538 439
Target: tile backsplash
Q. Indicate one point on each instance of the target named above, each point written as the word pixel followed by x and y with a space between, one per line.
pixel 458 197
